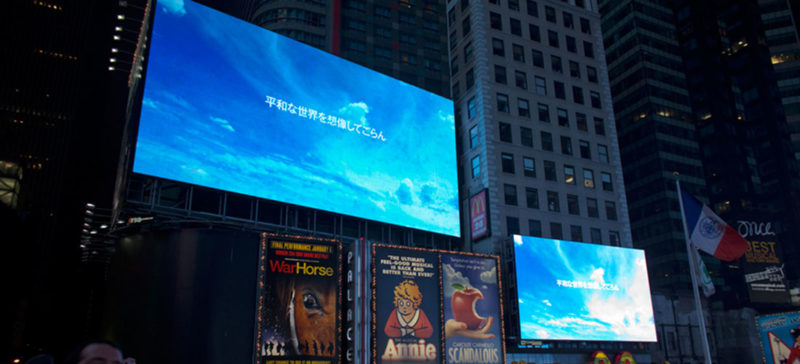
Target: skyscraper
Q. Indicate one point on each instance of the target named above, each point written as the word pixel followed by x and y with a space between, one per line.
pixel 537 140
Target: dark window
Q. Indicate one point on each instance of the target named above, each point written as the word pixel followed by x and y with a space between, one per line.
pixel 500 74
pixel 584 148
pixel 585 27
pixel 566 145
pixel 383 53
pixel 599 126
pixel 550 171
pixel 532 197
pixel 470 78
pixel 605 179
pixel 588 49
pixel 464 4
pixel 529 166
pixel 575 233
pixel 535 228
pixel 556 231
pixel 594 96
pixel 574 69
pixel 613 238
pixel 563 117
pixel 558 90
pixel 580 121
pixel 473 137
pixel 572 205
pixel 496 21
pixel 456 91
pixel 552 202
pixel 516 26
pixel 569 174
pixel 502 102
pixel 596 236
pixel 571 44
pixel 513 4
pixel 555 64
pixel 544 113
pixel 476 167
pixel 552 38
pixel 512 225
pixel 536 35
pixel 538 58
pixel 518 52
pixel 383 12
pixel 526 136
pixel 467 52
pixel 568 22
pixel 507 162
pixel 591 74
pixel 505 132
pixel 547 141
pixel 541 86
pixel 510 194
pixel 472 107
pixel 498 48
pixel 577 95
pixel 602 153
pixel 591 207
pixel 451 17
pixel 521 80
pixel 453 39
pixel 550 13
pixel 382 32
pixel 611 210
pixel 465 25
pixel 523 108
pixel 533 8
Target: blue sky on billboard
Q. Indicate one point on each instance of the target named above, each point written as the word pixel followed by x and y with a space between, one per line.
pixel 579 291
pixel 232 106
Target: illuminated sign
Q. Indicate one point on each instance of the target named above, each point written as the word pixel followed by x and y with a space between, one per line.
pixel 762 266
pixel 578 291
pixel 479 215
pixel 231 106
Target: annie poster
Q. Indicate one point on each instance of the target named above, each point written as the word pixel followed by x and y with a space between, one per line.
pixel 406 319
pixel 472 309
pixel 298 300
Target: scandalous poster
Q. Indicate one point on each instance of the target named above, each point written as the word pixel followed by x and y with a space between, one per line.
pixel 406 319
pixel 298 301
pixel 472 309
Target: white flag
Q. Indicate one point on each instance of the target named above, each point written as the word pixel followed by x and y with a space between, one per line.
pixel 704 279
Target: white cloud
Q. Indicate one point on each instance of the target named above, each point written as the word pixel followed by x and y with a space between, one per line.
pixel 173 6
pixel 225 124
pixel 149 103
pixel 451 276
pixel 597 276
pixel 355 111
pixel 629 315
pixel 490 276
pixel 542 334
pixel 547 302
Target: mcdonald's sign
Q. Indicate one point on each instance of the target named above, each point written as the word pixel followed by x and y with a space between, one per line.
pixel 479 215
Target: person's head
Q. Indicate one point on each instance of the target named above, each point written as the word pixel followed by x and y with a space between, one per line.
pixel 96 351
pixel 407 297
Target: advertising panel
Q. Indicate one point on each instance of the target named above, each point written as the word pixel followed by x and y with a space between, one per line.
pixel 763 269
pixel 579 291
pixel 406 306
pixel 232 106
pixel 299 299
pixel 479 215
pixel 473 322
pixel 780 337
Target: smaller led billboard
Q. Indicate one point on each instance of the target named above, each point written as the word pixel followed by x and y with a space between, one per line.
pixel 231 106
pixel 579 291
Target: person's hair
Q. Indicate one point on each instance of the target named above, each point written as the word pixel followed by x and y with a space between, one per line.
pixel 795 332
pixel 409 290
pixel 74 356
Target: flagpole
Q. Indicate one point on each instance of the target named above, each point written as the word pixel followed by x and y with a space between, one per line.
pixel 692 270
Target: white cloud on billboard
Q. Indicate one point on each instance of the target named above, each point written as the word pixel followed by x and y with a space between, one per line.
pixel 225 124
pixel 489 276
pixel 451 276
pixel 173 7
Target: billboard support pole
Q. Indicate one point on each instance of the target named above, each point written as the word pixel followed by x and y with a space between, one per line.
pixel 695 287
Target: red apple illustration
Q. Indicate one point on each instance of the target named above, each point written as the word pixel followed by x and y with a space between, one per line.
pixel 463 305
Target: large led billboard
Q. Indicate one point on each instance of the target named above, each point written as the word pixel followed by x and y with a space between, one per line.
pixel 235 107
pixel 578 291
